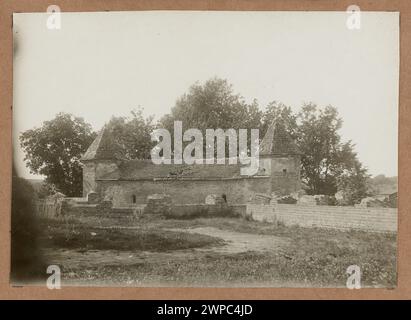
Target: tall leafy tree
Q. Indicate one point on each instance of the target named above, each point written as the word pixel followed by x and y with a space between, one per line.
pixel 213 105
pixel 54 150
pixel 133 134
pixel 320 143
pixel 328 164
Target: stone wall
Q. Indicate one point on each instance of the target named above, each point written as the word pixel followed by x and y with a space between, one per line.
pixel 174 210
pixel 342 218
pixel 237 191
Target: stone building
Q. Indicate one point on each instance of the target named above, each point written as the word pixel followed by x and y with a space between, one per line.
pixel 130 182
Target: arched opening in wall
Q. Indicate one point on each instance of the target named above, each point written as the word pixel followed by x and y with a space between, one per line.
pixel 134 199
pixel 284 171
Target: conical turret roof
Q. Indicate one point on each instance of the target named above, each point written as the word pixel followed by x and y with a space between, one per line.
pixel 277 141
pixel 104 147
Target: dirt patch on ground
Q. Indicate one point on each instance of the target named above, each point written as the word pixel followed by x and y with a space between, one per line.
pixel 237 242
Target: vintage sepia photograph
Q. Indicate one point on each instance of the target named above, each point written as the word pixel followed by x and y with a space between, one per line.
pixel 205 149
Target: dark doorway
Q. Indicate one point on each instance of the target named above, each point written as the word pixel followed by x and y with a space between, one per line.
pixel 224 197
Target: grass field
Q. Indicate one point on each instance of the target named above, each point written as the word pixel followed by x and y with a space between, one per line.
pixel 155 251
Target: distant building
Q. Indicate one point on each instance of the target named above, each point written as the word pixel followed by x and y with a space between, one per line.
pixel 130 182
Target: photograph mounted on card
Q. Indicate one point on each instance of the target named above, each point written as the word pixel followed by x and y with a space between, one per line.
pixel 205 149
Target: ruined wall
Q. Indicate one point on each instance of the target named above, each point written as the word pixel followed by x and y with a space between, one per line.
pixel 342 218
pixel 125 180
pixel 238 191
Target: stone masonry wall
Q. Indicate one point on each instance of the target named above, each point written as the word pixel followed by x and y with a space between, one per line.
pixel 89 178
pixel 342 218
pixel 237 191
pixel 285 175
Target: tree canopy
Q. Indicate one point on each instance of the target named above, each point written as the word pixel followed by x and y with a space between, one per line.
pixel 212 105
pixel 54 150
pixel 133 134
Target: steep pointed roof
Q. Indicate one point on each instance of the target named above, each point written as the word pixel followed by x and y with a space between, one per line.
pixel 103 147
pixel 277 141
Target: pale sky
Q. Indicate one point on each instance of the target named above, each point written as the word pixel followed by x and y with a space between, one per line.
pixel 107 63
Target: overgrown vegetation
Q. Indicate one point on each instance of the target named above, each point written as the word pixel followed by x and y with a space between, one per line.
pixel 54 150
pixel 312 257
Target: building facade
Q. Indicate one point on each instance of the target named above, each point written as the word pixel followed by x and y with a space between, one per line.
pixel 130 182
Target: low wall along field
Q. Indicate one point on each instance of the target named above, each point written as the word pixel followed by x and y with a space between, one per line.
pixel 334 217
pixel 342 218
